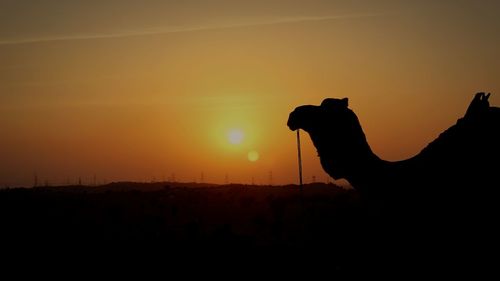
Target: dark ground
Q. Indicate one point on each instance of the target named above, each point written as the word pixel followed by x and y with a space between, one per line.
pixel 324 222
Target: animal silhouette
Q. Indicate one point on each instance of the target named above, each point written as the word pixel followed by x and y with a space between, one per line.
pixel 465 157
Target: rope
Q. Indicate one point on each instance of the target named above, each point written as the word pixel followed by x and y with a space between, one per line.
pixel 300 158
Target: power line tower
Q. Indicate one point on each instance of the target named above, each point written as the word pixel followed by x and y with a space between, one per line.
pixel 35 180
pixel 226 179
pixel 270 178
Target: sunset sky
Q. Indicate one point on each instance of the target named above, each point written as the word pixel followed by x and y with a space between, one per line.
pixel 142 90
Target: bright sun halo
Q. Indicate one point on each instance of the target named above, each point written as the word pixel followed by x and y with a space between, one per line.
pixel 236 136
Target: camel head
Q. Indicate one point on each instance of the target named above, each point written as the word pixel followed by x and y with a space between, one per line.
pixel 313 118
pixel 316 119
pixel 335 132
pixel 478 106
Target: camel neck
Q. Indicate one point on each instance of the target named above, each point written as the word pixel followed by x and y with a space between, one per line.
pixel 353 161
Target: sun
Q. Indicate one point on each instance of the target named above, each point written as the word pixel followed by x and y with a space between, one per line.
pixel 235 136
pixel 253 156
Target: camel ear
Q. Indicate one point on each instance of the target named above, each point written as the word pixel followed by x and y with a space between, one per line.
pixel 345 102
pixel 486 97
pixel 335 103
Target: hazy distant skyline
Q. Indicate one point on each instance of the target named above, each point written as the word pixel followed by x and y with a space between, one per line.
pixel 136 90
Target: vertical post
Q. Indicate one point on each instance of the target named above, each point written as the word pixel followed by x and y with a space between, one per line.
pixel 300 158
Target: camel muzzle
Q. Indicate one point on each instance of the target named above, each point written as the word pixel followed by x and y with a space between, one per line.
pixel 292 121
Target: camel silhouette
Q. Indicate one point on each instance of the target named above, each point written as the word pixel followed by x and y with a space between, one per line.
pixel 441 204
pixel 464 158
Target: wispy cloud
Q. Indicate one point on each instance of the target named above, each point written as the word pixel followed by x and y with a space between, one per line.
pixel 179 29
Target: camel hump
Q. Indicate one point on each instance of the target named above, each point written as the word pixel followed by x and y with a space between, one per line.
pixel 479 105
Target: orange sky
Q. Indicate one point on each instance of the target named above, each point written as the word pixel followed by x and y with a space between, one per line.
pixel 141 90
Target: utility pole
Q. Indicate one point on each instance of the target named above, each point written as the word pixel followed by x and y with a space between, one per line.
pixel 35 184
